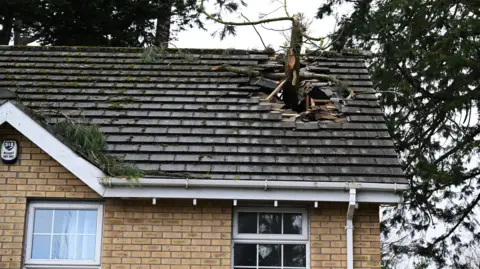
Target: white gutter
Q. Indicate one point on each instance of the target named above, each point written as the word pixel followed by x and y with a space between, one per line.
pixel 252 190
pixel 166 182
pixel 349 227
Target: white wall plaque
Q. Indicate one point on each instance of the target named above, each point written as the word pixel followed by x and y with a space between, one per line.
pixel 9 152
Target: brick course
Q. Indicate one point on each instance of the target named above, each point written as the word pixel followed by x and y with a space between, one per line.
pixel 170 235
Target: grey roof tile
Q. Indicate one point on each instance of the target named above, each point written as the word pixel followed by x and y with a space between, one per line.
pixel 161 157
pixel 176 115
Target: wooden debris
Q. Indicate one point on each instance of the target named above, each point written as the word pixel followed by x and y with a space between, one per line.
pixel 279 87
pixel 321 100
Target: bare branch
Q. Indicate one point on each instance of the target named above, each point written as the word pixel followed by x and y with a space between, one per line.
pixel 312 38
pixel 255 28
pixel 263 15
pixel 210 16
pixel 285 8
pixel 277 30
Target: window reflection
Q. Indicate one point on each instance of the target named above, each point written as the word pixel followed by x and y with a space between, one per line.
pixel 294 255
pixel 269 223
pixel 292 223
pixel 269 255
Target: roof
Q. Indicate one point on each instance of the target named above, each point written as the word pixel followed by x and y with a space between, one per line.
pixel 176 115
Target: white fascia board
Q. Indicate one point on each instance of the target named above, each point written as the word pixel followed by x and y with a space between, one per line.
pixel 178 182
pixel 225 193
pixel 385 193
pixel 84 170
pixel 3 114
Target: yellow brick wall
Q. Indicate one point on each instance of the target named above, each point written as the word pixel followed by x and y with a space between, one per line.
pixel 169 235
pixel 328 245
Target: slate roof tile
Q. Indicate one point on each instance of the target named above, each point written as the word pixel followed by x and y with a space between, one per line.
pixel 177 115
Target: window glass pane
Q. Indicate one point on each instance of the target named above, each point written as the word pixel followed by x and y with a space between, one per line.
pixel 63 247
pixel 294 256
pixel 292 223
pixel 41 247
pixel 247 222
pixel 87 221
pixel 85 247
pixel 245 254
pixel 269 255
pixel 42 222
pixel 65 221
pixel 269 223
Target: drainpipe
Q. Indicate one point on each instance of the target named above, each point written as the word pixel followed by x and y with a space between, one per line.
pixel 350 212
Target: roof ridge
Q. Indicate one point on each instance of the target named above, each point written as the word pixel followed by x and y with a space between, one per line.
pixel 346 52
pixel 132 49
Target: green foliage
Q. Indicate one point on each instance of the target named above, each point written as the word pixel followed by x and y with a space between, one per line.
pixel 118 23
pixel 426 53
pixel 89 140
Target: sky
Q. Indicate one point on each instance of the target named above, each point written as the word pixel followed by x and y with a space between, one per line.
pixel 246 37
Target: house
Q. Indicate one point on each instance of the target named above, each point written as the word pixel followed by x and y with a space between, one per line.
pixel 227 181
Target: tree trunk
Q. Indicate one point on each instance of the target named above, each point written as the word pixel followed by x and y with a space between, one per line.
pixel 291 96
pixel 6 32
pixel 162 31
pixel 296 43
pixel 17 28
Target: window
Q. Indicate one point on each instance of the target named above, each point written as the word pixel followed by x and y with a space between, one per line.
pixel 270 239
pixel 66 234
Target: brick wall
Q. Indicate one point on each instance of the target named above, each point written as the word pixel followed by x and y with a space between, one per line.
pixel 169 235
pixel 328 245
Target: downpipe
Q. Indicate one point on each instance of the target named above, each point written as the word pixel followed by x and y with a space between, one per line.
pixel 349 226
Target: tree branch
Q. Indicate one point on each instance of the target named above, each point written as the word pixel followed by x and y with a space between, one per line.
pixel 465 141
pixel 285 8
pixel 255 28
pixel 210 16
pixel 467 212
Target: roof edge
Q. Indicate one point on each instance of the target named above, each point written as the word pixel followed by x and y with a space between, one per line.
pixel 252 190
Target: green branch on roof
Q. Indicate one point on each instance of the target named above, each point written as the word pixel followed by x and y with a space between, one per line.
pixel 88 140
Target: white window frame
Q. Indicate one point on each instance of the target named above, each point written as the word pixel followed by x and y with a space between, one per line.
pixel 283 239
pixel 278 237
pixel 70 264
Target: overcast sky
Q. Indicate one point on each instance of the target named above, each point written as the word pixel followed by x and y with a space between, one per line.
pixel 246 37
